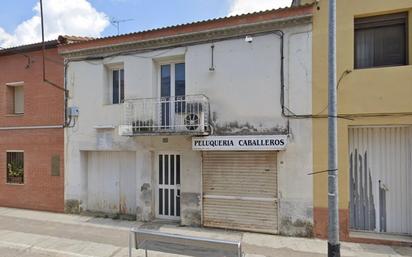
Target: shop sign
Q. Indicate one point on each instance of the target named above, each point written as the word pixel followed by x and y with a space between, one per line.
pixel 240 143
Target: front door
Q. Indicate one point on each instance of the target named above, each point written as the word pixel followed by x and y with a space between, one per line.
pixel 168 192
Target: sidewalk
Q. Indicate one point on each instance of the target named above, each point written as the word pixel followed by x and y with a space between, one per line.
pixel 41 234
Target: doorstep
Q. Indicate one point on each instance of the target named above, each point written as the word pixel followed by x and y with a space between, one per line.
pixel 380 236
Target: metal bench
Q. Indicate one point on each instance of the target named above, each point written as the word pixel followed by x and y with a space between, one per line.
pixel 179 244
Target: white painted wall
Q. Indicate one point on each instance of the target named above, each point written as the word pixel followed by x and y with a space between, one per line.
pixel 244 88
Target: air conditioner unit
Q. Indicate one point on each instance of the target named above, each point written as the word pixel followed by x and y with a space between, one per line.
pixel 190 121
pixel 190 117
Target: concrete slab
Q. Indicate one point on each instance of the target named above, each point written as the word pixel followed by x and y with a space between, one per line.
pixel 200 232
pixel 68 218
pixel 278 242
pixel 354 249
pixel 55 245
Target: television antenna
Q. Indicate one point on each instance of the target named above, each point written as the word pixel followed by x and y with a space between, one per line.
pixel 115 22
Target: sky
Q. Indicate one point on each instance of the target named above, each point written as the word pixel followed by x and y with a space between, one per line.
pixel 20 19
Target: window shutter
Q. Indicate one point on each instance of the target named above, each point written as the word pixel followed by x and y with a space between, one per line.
pixel 381 41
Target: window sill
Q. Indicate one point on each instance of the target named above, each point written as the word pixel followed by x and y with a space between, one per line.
pixel 14 184
pixel 109 104
pixel 382 67
pixel 15 115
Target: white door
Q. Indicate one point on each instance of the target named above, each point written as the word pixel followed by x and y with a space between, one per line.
pixel 380 179
pixel 111 182
pixel 168 186
pixel 240 191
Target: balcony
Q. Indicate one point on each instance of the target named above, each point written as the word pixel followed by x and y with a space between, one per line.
pixel 187 114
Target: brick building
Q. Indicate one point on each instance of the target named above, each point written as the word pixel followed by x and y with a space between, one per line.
pixel 31 128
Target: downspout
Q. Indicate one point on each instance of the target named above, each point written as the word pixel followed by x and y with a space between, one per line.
pixel 66 93
pixel 42 40
pixel 281 35
pixel 44 67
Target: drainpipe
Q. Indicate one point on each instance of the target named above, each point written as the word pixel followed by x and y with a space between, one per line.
pixel 66 93
pixel 281 35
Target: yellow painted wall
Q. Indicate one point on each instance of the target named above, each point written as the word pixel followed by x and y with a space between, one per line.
pixel 375 90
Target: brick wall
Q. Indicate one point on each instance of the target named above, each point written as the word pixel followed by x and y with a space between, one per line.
pixel 41 190
pixel 43 106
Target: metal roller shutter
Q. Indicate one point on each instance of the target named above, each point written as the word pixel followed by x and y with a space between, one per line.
pixel 240 191
pixel 111 183
pixel 380 179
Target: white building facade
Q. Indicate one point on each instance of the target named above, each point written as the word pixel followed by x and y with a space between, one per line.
pixel 185 123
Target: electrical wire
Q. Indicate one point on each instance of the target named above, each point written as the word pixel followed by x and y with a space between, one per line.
pixel 346 72
pixel 318 115
pixel 320 172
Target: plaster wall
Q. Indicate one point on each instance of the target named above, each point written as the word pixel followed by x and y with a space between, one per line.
pixel 244 93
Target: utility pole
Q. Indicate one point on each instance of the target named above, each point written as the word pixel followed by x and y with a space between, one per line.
pixel 333 200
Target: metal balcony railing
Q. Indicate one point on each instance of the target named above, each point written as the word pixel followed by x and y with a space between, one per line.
pixel 187 114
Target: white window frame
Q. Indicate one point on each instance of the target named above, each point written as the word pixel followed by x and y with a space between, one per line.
pixel 14 86
pixel 111 69
pixel 172 64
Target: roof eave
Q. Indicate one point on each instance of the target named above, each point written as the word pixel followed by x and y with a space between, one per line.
pixel 29 48
pixel 188 38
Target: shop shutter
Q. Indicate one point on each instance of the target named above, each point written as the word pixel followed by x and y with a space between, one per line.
pixel 240 191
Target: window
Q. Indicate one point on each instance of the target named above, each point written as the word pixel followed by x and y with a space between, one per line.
pixel 15 99
pixel 172 90
pixel 381 41
pixel 15 167
pixel 173 81
pixel 117 87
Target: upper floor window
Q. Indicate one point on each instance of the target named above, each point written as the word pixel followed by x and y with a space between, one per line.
pixel 172 91
pixel 117 85
pixel 15 98
pixel 172 80
pixel 381 41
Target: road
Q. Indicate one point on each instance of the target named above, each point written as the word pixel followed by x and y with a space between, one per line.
pixel 41 234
